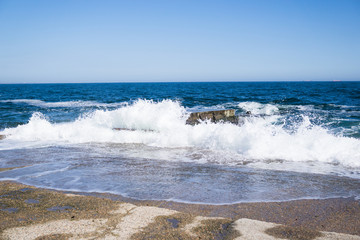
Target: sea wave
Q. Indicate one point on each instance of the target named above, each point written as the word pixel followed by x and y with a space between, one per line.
pixel 258 108
pixel 163 125
pixel 68 104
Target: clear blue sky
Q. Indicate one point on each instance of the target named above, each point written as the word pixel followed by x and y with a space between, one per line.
pixel 178 40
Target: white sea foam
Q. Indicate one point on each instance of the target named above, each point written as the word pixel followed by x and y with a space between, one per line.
pixel 162 124
pixel 69 104
pixel 258 108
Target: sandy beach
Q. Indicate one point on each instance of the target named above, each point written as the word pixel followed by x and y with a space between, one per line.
pixel 27 212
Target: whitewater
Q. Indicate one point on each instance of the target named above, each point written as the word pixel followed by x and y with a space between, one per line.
pixel 280 149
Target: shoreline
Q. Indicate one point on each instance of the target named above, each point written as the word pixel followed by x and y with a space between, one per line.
pixel 25 208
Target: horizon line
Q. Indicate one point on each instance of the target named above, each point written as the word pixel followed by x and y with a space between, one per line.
pixel 184 81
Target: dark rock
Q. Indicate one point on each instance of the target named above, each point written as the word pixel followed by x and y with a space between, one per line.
pixel 174 222
pixel 2 137
pixel 213 116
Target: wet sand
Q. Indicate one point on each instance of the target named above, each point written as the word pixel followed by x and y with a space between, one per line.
pixel 27 212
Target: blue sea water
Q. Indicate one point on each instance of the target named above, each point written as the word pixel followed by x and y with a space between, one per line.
pixel 301 140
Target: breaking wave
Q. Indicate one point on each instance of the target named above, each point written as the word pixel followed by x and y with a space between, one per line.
pixel 258 108
pixel 162 125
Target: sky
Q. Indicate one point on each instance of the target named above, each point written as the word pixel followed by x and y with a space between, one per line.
pixel 179 40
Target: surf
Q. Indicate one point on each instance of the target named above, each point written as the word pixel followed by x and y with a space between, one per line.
pixel 162 124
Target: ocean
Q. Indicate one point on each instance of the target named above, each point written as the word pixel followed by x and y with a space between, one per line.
pixel 301 140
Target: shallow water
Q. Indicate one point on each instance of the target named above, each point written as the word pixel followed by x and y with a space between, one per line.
pixel 301 140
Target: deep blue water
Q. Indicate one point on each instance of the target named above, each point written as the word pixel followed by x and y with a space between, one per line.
pixel 330 97
pixel 300 135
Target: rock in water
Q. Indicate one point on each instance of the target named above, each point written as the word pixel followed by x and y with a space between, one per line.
pixel 2 137
pixel 213 116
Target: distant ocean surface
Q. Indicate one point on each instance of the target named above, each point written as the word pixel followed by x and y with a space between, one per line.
pixel 301 140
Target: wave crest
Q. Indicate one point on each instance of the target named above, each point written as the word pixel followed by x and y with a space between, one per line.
pixel 162 124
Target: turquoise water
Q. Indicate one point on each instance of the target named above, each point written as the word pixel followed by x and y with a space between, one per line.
pixel 301 140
